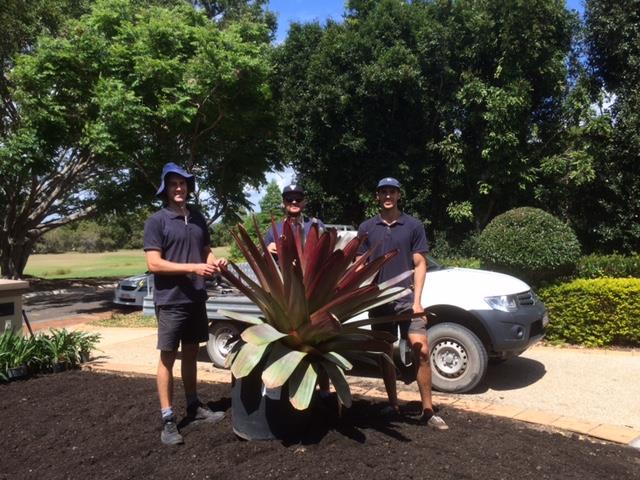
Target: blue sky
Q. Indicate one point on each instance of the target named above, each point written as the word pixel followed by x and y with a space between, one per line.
pixel 302 11
pixel 309 10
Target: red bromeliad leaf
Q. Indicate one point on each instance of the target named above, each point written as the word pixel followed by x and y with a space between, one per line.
pixel 253 256
pixel 361 300
pixel 324 285
pixel 323 329
pixel 357 277
pixel 274 312
pixel 272 272
pixel 355 268
pixel 291 266
pixel 315 256
pixel 310 246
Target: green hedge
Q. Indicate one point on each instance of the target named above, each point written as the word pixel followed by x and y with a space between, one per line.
pixel 596 266
pixel 594 312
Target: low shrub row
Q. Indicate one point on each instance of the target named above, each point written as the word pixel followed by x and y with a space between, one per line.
pixel 619 266
pixel 44 352
pixel 594 312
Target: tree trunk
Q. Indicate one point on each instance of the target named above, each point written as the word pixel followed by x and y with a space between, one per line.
pixel 14 254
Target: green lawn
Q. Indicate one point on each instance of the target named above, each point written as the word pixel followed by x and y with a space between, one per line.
pixel 122 263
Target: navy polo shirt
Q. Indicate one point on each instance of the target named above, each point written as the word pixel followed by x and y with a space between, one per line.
pixel 181 242
pixel 268 238
pixel 406 234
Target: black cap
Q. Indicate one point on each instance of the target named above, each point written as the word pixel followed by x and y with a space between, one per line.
pixel 293 188
pixel 388 182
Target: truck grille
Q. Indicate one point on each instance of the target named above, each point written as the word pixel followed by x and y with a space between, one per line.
pixel 526 299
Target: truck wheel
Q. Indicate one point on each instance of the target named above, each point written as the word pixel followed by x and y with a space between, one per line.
pixel 458 358
pixel 219 345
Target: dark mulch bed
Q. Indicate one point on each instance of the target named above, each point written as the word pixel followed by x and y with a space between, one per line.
pixel 90 425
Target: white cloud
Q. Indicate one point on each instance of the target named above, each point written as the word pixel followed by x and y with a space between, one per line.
pixel 283 177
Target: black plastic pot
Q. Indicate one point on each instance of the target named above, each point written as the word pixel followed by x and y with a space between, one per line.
pixel 59 367
pixel 256 416
pixel 17 373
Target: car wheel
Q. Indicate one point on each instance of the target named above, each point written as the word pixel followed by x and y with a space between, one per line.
pixel 458 358
pixel 221 342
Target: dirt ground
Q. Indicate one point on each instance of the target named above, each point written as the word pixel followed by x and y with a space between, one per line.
pixel 93 425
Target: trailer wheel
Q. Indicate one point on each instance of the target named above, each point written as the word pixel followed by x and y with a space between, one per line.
pixel 220 341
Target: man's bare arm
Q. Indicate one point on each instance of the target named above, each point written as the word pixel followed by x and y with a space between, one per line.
pixel 157 264
pixel 419 274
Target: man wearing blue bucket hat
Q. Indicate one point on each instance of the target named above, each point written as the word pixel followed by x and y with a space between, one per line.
pixel 178 253
pixel 390 230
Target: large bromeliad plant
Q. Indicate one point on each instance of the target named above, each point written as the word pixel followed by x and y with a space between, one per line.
pixel 306 296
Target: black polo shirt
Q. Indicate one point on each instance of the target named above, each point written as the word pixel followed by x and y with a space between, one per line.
pixel 406 234
pixel 181 242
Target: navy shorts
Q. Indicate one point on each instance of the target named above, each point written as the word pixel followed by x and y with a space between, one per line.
pixel 185 323
pixel 414 326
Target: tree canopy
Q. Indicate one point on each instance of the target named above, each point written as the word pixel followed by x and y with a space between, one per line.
pixel 460 100
pixel 119 92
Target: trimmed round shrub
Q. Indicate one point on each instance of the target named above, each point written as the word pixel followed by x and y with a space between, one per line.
pixel 530 244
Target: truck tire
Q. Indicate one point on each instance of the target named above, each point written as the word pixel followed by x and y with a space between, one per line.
pixel 219 345
pixel 458 358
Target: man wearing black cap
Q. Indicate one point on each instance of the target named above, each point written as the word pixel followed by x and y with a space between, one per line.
pixel 391 230
pixel 293 202
pixel 178 253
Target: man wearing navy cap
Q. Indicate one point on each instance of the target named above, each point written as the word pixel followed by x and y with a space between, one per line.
pixel 178 253
pixel 293 202
pixel 391 230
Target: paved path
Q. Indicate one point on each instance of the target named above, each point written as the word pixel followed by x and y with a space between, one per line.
pixel 590 392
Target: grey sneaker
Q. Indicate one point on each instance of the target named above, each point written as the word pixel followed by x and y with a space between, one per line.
pixel 433 421
pixel 170 434
pixel 202 413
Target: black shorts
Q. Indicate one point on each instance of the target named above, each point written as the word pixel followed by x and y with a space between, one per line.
pixel 185 323
pixel 413 326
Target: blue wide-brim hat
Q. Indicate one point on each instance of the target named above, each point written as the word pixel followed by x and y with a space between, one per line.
pixel 173 168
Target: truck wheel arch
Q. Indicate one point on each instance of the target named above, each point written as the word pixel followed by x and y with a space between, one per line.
pixel 452 314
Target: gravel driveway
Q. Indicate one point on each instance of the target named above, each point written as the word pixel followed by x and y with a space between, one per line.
pixel 595 385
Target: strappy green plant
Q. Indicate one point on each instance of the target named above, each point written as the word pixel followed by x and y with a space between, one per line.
pixel 305 297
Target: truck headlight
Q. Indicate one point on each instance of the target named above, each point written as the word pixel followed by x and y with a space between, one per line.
pixel 504 303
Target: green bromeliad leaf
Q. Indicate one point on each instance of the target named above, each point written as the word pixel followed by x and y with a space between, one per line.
pixel 338 360
pixel 247 358
pixel 280 365
pixel 302 384
pixel 260 334
pixel 339 382
pixel 241 317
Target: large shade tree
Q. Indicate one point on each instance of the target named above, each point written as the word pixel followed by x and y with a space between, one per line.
pixel 612 201
pixel 461 100
pixel 119 92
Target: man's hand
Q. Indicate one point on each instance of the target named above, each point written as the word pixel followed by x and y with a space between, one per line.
pixel 272 248
pixel 204 269
pixel 418 308
pixel 219 263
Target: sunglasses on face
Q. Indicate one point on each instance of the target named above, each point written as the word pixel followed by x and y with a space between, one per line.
pixel 295 198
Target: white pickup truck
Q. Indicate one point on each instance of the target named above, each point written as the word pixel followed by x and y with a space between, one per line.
pixel 479 316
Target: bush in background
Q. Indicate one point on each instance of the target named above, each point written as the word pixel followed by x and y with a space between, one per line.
pixel 619 266
pixel 529 243
pixel 594 312
pixel 460 262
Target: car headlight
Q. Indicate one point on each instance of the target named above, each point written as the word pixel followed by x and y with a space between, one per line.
pixel 142 283
pixel 504 303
